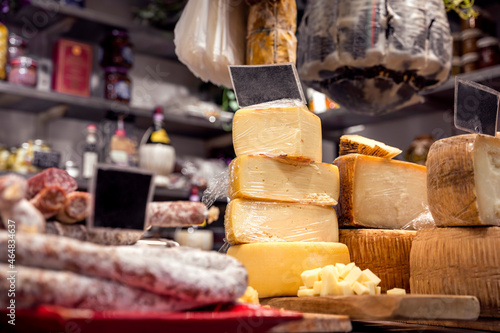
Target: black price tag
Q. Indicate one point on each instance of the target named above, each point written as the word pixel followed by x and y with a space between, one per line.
pixel 120 197
pixel 265 83
pixel 476 107
pixel 46 159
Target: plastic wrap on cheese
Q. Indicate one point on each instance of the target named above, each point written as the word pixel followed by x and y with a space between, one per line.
pixel 281 128
pixel 374 56
pixel 250 221
pixel 271 32
pixel 260 177
pixel 463 180
pixel 381 193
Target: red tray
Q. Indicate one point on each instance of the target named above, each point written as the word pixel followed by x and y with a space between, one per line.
pixel 219 319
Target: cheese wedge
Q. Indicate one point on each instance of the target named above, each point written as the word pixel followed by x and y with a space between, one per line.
pixel 458 261
pixel 294 132
pixel 261 177
pixel 386 253
pixel 463 180
pixel 274 268
pixel 380 193
pixel 249 221
pixel 356 144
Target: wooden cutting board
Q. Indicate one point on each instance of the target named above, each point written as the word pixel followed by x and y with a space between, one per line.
pixel 315 322
pixel 384 307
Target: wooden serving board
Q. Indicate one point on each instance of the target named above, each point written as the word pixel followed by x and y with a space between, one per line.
pixel 315 322
pixel 384 307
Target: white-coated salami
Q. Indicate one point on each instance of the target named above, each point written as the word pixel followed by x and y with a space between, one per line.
pixel 12 190
pixel 51 177
pixel 179 213
pixel 103 236
pixel 25 217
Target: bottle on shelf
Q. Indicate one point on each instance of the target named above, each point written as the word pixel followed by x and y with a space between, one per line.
pixel 122 150
pixel 90 152
pixel 156 152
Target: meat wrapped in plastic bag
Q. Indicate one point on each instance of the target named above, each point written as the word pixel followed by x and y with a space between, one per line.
pixel 373 57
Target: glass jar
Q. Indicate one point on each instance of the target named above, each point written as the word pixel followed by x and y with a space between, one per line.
pixel 23 71
pixel 17 46
pixel 117 50
pixel 470 62
pixel 489 52
pixel 117 84
pixel 469 40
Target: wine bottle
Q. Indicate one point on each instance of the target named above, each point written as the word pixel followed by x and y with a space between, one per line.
pixel 90 152
pixel 158 132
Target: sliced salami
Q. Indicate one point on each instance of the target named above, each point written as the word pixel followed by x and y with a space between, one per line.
pixel 49 200
pixel 76 207
pixel 51 177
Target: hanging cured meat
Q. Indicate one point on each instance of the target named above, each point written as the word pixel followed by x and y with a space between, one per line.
pixel 373 57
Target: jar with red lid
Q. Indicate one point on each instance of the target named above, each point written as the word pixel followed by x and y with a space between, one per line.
pixel 23 71
pixel 117 84
pixel 489 52
pixel 117 50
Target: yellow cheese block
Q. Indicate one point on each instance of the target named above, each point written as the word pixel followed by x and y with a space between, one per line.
pixel 458 261
pixel 378 192
pixel 274 268
pixel 294 132
pixel 384 252
pixel 249 221
pixel 463 181
pixel 261 177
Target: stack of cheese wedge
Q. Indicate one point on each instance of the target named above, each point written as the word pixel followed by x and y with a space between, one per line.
pixel 280 220
pixel 461 256
pixel 378 197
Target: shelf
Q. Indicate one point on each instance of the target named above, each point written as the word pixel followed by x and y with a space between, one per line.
pixel 93 109
pixel 436 100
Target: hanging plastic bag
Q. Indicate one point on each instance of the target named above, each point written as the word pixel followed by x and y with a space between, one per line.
pixel 209 36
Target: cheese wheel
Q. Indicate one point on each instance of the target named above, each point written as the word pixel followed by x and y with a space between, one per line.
pixel 458 261
pixel 380 193
pixel 249 221
pixel 274 268
pixel 356 144
pixel 278 179
pixel 385 252
pixel 294 132
pixel 463 180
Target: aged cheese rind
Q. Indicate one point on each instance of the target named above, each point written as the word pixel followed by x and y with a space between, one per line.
pixel 380 193
pixel 384 252
pixel 350 144
pixel 274 268
pixel 261 177
pixel 294 132
pixel 249 221
pixel 458 261
pixel 463 180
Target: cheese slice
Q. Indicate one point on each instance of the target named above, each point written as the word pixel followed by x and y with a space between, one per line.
pixel 274 268
pixel 458 261
pixel 294 132
pixel 261 177
pixel 380 193
pixel 357 144
pixel 385 253
pixel 463 181
pixel 249 221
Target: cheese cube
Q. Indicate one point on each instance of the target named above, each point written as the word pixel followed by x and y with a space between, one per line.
pixel 346 270
pixel 302 287
pixel 339 267
pixel 317 288
pixel 359 289
pixel 345 288
pixel 249 221
pixel 329 277
pixel 380 193
pixel 288 131
pixel 265 178
pixel 371 287
pixel 353 275
pixel 370 276
pixel 329 269
pixel 305 292
pixel 396 291
pixel 378 290
pixel 310 276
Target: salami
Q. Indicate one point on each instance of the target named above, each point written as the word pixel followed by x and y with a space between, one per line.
pixel 75 208
pixel 49 201
pixel 50 177
pixel 190 274
pixel 36 286
pixel 25 216
pixel 12 190
pixel 179 213
pixel 103 236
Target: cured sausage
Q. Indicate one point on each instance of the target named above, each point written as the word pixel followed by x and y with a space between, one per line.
pixel 50 177
pixel 12 190
pixel 103 236
pixel 179 213
pixel 75 208
pixel 36 286
pixel 189 274
pixel 49 200
pixel 25 216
